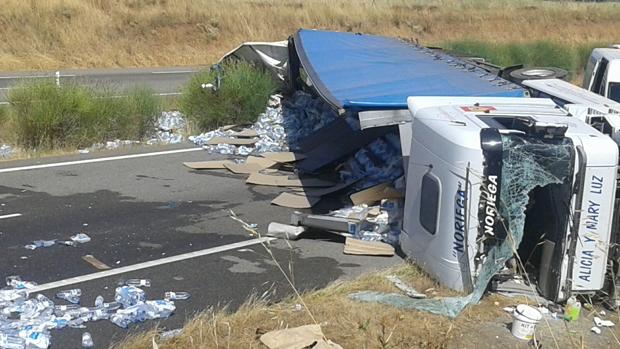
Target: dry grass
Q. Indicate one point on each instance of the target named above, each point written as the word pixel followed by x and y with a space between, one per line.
pixel 348 323
pixel 51 34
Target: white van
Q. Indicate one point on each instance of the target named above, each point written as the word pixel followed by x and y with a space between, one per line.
pixel 602 73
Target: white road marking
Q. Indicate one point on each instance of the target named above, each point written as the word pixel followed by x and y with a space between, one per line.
pixel 89 161
pixel 150 264
pixel 173 72
pixel 12 215
pixel 35 76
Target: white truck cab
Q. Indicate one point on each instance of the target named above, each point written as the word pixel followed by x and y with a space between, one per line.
pixel 602 75
pixel 460 166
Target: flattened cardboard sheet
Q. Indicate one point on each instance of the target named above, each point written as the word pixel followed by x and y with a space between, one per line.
pixel 207 165
pixel 233 141
pixel 367 248
pixel 243 168
pixel 284 181
pixel 293 200
pixel 285 156
pixel 376 193
pixel 245 133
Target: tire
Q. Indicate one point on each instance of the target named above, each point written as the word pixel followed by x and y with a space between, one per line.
pixel 537 73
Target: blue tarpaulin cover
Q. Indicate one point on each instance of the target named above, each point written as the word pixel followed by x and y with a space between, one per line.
pixel 361 72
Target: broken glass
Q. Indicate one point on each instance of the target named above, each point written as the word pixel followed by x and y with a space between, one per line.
pixel 527 163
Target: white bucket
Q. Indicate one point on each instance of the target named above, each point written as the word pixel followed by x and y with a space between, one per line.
pixel 524 321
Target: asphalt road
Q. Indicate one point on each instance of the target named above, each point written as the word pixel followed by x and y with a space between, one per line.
pixel 145 209
pixel 164 81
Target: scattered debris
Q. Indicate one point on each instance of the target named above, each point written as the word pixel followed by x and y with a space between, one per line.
pixel 231 141
pixel 284 231
pixel 174 296
pixel 524 321
pixel 284 181
pixel 401 285
pixel 367 248
pixel 71 296
pixel 603 323
pixel 95 262
pixel 138 282
pixel 39 315
pixel 208 165
pixel 169 128
pixel 295 200
pixel 40 244
pixel 595 330
pixel 168 335
pixel 375 194
pixel 308 336
pixel 80 238
pixel 572 309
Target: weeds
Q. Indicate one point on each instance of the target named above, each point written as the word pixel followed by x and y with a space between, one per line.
pixel 243 94
pixel 46 116
pixel 538 53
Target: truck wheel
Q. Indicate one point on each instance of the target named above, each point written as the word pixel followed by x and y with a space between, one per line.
pixel 537 73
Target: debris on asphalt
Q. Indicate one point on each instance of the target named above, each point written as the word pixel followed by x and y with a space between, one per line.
pixel 401 285
pixel 284 231
pixel 16 282
pixel 37 316
pixel 174 296
pixel 40 244
pixel 80 238
pixel 295 200
pixel 87 340
pixel 603 323
pixel 595 330
pixel 138 282
pixel 308 336
pixel 92 260
pixel 367 248
pixel 208 165
pixel 71 296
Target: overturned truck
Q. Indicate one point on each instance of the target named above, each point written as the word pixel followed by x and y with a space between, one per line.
pixel 494 177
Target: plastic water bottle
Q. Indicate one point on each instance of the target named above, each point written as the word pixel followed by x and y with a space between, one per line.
pixel 11 341
pixel 99 301
pixel 129 295
pixel 138 282
pixel 87 340
pixel 80 238
pixel 174 296
pixel 72 295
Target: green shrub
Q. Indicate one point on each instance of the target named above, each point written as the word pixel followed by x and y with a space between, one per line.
pixel 49 116
pixel 243 94
pixel 539 53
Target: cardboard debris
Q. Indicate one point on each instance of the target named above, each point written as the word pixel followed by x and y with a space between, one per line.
pixel 367 248
pixel 95 262
pixel 243 168
pixel 284 156
pixel 374 194
pixel 207 165
pixel 308 336
pixel 246 133
pixel 328 190
pixel 228 127
pixel 284 181
pixel 233 141
pixel 295 200
pixel 264 162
